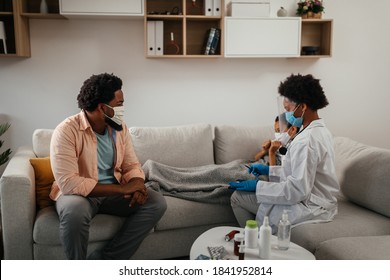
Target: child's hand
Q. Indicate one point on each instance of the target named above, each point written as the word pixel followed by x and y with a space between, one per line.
pixel 266 144
pixel 275 145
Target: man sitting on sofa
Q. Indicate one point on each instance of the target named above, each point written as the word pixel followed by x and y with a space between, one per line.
pixel 97 171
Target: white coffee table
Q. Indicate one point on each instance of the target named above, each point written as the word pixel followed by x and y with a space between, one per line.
pixel 216 237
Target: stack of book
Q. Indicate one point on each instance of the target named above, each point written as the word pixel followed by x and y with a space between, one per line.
pixel 212 40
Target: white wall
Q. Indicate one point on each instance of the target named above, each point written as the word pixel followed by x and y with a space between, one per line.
pixel 39 92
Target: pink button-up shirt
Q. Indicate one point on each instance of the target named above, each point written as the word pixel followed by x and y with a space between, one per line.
pixel 73 157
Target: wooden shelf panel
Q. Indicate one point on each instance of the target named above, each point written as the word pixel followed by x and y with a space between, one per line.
pixel 317 32
pixel 165 17
pixel 42 16
pixel 186 56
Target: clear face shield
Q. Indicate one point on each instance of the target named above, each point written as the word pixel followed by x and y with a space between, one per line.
pixel 284 105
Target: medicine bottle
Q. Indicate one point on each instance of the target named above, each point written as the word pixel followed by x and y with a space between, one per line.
pixel 231 235
pixel 265 240
pixel 238 241
pixel 284 232
pixel 251 234
pixel 241 252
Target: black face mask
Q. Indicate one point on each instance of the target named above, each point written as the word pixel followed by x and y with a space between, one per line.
pixel 113 124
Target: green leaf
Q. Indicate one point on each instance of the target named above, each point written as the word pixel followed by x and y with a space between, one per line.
pixel 4 157
pixel 4 127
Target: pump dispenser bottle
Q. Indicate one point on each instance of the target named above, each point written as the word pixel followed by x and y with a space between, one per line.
pixel 284 232
pixel 265 240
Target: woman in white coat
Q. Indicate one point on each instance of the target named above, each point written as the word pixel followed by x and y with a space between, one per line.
pixel 306 184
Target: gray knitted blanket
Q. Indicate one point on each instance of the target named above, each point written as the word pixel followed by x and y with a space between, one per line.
pixel 208 183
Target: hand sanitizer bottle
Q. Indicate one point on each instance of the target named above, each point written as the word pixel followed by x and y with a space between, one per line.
pixel 284 232
pixel 251 234
pixel 265 240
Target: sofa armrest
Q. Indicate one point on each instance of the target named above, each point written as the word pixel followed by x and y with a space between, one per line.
pixel 18 207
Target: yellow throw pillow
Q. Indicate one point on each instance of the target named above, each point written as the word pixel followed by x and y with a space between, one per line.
pixel 43 180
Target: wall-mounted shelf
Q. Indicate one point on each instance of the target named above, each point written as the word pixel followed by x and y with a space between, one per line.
pixel 317 32
pixel 125 9
pixel 16 14
pixel 277 37
pixel 187 22
pixel 262 37
pixel 16 30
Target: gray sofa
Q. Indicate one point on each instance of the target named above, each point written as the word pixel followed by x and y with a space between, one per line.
pixel 360 230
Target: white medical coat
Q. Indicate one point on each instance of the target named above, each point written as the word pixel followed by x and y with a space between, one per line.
pixel 305 183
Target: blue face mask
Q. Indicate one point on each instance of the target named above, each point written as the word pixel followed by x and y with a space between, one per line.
pixel 293 120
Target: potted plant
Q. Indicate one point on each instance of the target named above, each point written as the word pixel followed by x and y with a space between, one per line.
pixel 310 8
pixel 4 157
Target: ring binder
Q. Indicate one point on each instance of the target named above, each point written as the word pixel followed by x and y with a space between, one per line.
pixel 3 36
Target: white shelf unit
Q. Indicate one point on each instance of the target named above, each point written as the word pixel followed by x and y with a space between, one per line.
pixel 262 37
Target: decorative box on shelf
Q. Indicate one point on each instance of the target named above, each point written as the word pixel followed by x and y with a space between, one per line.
pixel 248 9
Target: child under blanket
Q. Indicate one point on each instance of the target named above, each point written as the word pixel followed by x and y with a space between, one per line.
pixel 209 183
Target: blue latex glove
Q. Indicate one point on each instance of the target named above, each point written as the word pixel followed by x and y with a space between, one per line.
pixel 248 186
pixel 259 169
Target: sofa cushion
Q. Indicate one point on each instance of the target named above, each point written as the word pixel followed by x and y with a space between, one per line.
pixel 355 248
pixel 183 213
pixel 179 146
pixel 179 214
pixel 352 220
pixel 364 174
pixel 44 178
pixel 41 142
pixel 239 142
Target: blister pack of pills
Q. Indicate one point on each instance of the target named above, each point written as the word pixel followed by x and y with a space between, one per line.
pixel 217 253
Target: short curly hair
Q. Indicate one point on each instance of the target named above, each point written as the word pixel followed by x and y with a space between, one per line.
pixel 98 89
pixel 304 89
